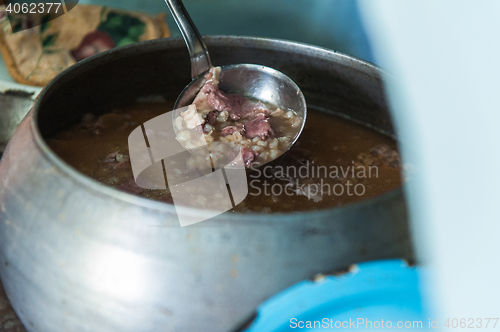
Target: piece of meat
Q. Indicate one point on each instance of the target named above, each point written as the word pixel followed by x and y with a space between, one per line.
pixel 110 158
pixel 258 127
pixel 229 130
pixel 216 98
pixel 237 106
pixel 211 117
pixel 117 161
pixel 131 187
pixel 241 107
pixel 249 156
pixel 116 157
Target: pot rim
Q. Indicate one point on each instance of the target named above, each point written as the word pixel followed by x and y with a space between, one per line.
pixel 89 183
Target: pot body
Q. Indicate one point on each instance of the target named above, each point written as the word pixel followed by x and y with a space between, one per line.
pixel 76 255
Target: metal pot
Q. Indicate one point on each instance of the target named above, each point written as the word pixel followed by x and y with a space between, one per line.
pixel 77 255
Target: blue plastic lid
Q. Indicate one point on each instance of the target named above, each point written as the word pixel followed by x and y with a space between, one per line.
pixel 374 295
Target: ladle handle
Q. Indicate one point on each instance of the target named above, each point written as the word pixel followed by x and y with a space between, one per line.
pixel 200 59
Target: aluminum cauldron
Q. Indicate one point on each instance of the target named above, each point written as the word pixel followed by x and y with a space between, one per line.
pixel 76 255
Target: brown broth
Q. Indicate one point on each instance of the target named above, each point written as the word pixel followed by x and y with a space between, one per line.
pixel 327 143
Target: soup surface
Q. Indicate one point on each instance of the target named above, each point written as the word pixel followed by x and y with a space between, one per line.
pixel 334 162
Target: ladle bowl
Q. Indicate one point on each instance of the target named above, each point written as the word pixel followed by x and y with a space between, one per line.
pixel 250 80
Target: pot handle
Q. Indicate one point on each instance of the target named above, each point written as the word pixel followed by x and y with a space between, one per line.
pixel 200 59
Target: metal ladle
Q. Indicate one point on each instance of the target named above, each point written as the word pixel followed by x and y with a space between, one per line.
pixel 250 80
